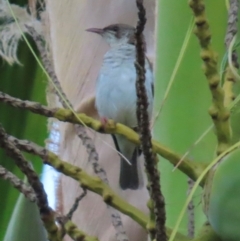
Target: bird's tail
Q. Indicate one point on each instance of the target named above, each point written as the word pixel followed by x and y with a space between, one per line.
pixel 129 176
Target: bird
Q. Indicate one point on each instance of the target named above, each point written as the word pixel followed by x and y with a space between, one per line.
pixel 116 97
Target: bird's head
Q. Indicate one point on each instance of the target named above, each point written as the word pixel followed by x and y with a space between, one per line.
pixel 116 34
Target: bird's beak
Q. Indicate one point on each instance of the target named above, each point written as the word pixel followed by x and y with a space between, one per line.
pixel 95 30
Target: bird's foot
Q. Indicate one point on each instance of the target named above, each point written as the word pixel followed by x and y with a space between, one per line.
pixel 104 121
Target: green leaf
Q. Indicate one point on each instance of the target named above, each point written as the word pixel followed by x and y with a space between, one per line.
pixel 223 208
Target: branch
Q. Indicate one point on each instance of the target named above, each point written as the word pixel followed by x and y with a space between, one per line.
pixel 46 213
pixel 145 135
pixel 191 169
pixel 26 190
pixel 219 113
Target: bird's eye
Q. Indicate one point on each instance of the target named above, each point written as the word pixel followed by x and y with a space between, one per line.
pixel 115 28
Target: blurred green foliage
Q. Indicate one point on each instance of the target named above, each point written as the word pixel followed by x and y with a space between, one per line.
pixel 184 117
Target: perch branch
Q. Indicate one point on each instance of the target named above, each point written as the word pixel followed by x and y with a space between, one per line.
pixel 191 169
pixel 46 213
pixel 219 113
pixel 26 190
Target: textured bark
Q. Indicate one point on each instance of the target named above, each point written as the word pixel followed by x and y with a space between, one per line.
pixel 77 57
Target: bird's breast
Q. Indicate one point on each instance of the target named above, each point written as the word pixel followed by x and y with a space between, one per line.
pixel 116 91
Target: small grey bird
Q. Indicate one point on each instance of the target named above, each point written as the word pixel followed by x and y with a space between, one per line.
pixel 116 94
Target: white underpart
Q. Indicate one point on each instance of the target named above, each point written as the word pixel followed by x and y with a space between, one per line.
pixel 116 91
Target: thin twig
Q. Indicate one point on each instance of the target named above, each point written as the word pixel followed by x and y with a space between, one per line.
pixel 26 190
pixel 190 211
pixel 145 134
pixel 69 215
pixel 76 203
